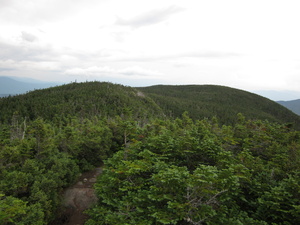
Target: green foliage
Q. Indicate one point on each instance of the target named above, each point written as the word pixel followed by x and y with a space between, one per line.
pixel 184 172
pixel 281 202
pixel 89 141
pixel 11 209
pixel 35 167
pixel 84 100
pixel 207 101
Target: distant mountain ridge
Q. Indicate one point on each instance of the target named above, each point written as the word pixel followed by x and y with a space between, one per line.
pixel 293 105
pixel 279 95
pixel 11 86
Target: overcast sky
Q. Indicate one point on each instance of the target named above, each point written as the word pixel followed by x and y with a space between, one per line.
pixel 250 45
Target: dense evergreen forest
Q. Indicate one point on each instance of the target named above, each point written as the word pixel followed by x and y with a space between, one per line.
pixel 83 100
pixel 206 101
pixel 160 167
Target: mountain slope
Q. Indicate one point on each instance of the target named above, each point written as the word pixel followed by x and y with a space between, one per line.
pixel 293 105
pixel 80 99
pixel 90 99
pixel 206 101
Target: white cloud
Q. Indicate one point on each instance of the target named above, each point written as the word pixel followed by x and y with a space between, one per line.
pixel 139 71
pixel 150 17
pixel 89 71
pixel 28 67
pixel 134 71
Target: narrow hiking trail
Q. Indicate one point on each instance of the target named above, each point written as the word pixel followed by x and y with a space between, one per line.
pixel 80 197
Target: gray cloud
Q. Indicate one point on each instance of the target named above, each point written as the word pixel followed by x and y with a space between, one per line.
pixel 30 54
pixel 5 69
pixel 209 54
pixel 27 59
pixel 11 52
pixel 28 37
pixel 5 3
pixel 23 53
pixel 37 12
pixel 150 18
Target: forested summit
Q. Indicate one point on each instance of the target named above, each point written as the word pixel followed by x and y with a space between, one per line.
pixel 85 100
pixel 104 99
pixel 207 101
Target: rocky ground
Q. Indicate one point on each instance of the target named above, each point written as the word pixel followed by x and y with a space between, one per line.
pixel 79 197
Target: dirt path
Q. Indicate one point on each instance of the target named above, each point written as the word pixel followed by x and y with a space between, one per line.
pixel 80 197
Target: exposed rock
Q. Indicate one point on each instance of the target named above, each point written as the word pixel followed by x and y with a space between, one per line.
pixel 92 180
pixel 80 197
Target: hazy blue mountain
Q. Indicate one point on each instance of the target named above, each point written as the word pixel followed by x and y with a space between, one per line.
pixel 12 86
pixel 279 95
pixel 293 105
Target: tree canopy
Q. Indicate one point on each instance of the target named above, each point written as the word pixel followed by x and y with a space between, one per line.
pixel 184 172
